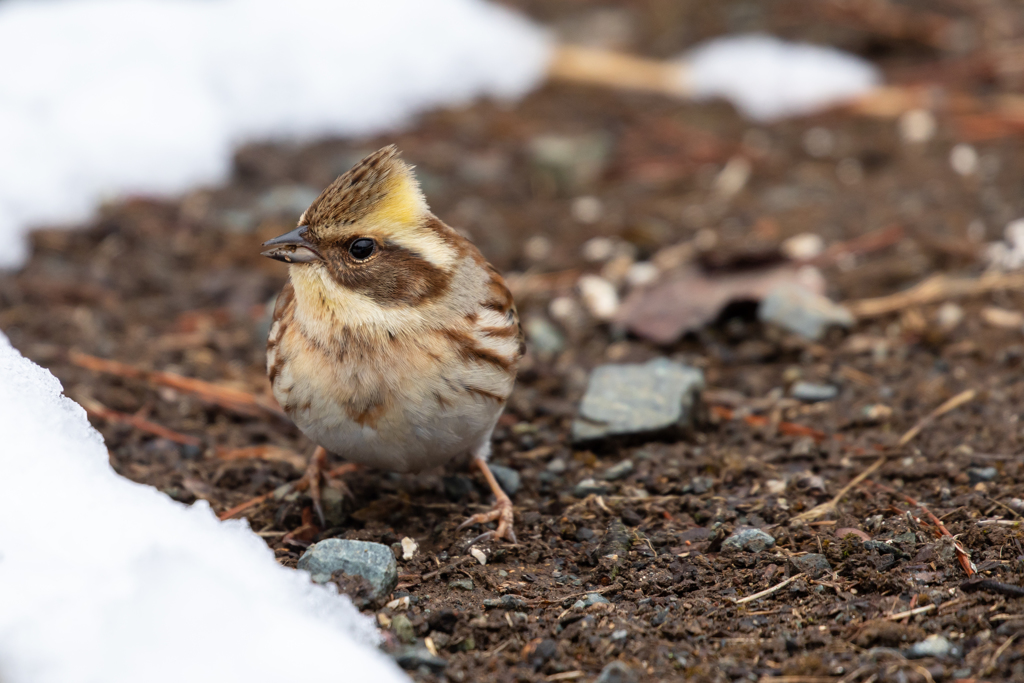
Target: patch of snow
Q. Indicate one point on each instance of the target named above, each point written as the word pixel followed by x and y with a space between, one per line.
pixel 102 98
pixel 767 78
pixel 102 579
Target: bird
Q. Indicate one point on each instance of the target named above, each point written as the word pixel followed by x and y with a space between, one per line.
pixel 394 343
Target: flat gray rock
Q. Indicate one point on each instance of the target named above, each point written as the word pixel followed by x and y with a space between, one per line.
pixel 802 311
pixel 626 400
pixel 372 561
pixel 751 540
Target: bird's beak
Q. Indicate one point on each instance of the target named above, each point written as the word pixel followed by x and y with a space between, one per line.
pixel 292 247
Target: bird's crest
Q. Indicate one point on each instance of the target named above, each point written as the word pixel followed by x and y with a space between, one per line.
pixel 381 189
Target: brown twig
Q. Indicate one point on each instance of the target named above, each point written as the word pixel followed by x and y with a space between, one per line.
pixel 933 290
pixel 225 397
pixel 264 452
pixel 868 243
pixel 769 591
pixel 953 403
pixel 993 586
pixel 827 507
pixel 912 612
pixel 786 428
pixel 100 411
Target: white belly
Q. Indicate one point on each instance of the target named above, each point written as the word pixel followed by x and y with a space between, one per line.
pixel 410 442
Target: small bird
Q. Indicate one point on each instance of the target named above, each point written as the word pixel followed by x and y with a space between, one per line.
pixel 394 343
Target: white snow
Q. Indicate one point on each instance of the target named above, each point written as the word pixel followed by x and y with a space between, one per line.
pixel 103 580
pixel 101 98
pixel 767 78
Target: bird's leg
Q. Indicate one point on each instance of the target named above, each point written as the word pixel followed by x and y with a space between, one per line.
pixel 310 479
pixel 502 510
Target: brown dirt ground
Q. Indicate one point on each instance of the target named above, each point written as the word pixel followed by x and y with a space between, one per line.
pixel 178 285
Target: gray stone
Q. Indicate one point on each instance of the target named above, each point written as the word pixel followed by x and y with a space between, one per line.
pixel 618 470
pixel 462 584
pixel 802 311
pixel 508 479
pixel 507 602
pixel 979 474
pixel 403 629
pixel 417 657
pixel 557 466
pixel 884 548
pixel 589 487
pixel 699 485
pixel 543 336
pixel 933 646
pixel 813 565
pixel 372 561
pixel 616 672
pixel 751 540
pixel 333 502
pixel 637 399
pixel 591 599
pixel 810 392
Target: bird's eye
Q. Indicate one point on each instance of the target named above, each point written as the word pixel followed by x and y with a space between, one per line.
pixel 362 248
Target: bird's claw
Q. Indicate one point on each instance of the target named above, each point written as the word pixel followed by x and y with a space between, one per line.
pixel 500 513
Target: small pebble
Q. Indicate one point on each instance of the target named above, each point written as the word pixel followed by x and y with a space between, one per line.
pixel 616 672
pixel 462 584
pixel 964 159
pixel 403 629
pixel 917 126
pixel 811 393
pixel 599 296
pixel 642 273
pixel 589 487
pixel 478 555
pixel 598 249
pixel 409 548
pixel 802 311
pixel 415 657
pixel 591 599
pixel 587 209
pixel 699 485
pixel 507 602
pixel 750 540
pixel 813 565
pixel 544 337
pixel 557 466
pixel 979 474
pixel 949 316
pixel 618 470
pixel 803 247
pixel 932 646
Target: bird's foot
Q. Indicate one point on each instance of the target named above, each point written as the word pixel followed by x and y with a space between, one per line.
pixel 500 513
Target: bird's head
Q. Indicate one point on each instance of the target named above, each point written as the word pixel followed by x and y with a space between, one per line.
pixel 371 233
